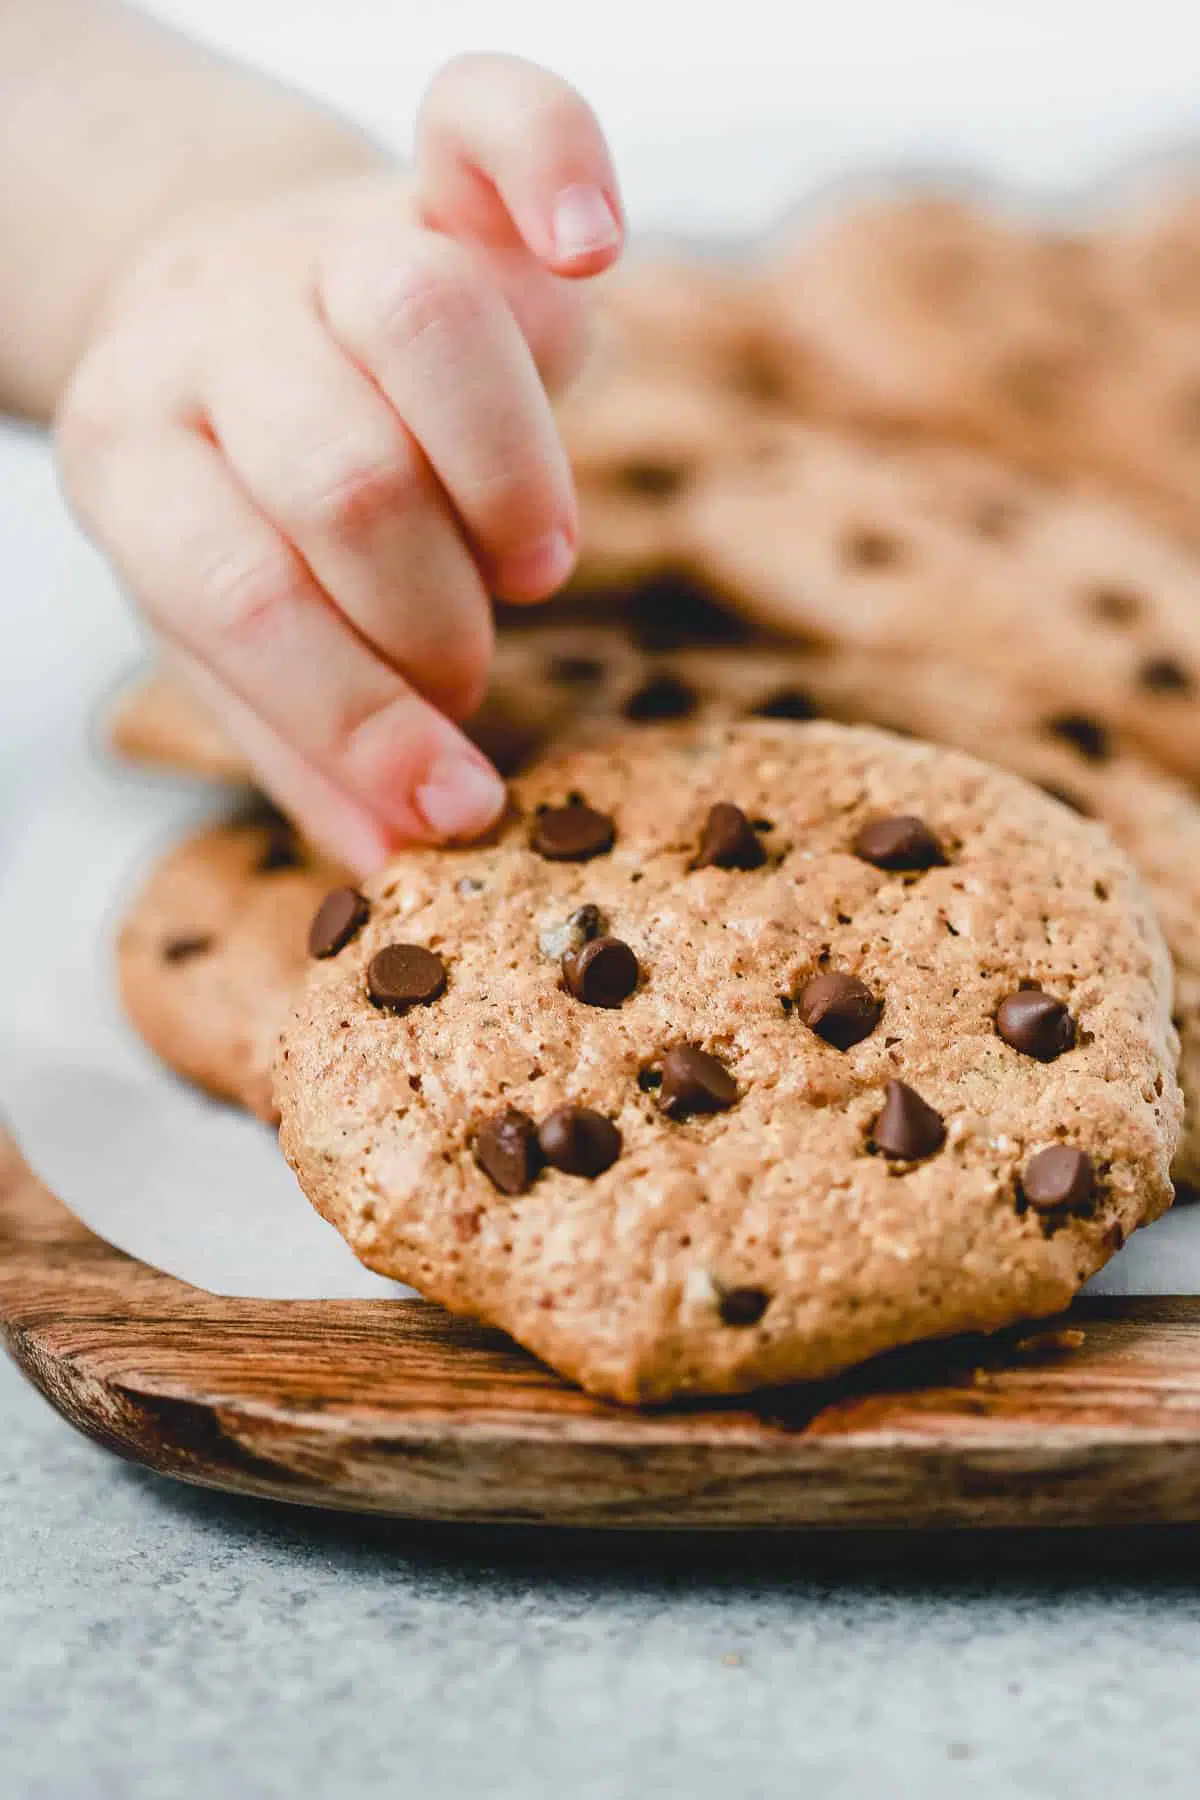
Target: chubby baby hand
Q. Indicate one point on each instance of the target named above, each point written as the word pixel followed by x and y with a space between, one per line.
pixel 314 438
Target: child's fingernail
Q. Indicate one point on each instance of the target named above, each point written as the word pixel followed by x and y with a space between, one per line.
pixel 461 797
pixel 584 222
pixel 540 570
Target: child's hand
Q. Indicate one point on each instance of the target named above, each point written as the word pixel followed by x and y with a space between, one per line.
pixel 314 439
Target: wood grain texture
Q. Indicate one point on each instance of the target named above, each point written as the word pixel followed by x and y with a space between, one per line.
pixel 394 1407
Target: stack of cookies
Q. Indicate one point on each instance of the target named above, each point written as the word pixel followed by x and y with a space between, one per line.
pixel 833 980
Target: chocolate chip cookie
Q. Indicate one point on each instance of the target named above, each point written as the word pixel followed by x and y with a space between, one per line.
pixel 719 1168
pixel 212 949
pixel 936 552
pixel 1072 354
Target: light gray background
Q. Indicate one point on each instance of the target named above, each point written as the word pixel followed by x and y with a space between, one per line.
pixel 159 1642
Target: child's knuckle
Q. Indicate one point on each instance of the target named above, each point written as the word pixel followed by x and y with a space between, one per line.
pixel 351 490
pixel 250 593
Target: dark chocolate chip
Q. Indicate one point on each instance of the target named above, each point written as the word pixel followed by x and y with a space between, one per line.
pixel 649 1079
pixel 996 519
pixel 897 843
pixel 742 1305
pixel 280 851
pixel 669 612
pixel 665 697
pixel 839 1008
pixel 404 975
pixel 603 973
pixel 579 1141
pixel 868 548
pixel 728 840
pixel 576 671
pixel 572 833
pixel 908 1128
pixel 506 1149
pixel 756 374
pixel 1058 1178
pixel 695 1082
pixel 787 703
pixel 1115 605
pixel 183 948
pixel 339 918
pixel 1036 1024
pixel 652 480
pixel 1163 675
pixel 1084 734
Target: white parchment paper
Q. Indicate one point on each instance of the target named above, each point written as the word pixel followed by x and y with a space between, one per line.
pixel 184 1183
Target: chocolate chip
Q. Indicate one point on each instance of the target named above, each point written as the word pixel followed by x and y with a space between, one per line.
pixel 280 851
pixel 666 697
pixel 787 703
pixel 604 973
pixel 1057 1178
pixel 506 1149
pixel 908 1128
pixel 404 975
pixel 1084 734
pixel 340 917
pixel 868 548
pixel 572 833
pixel 575 671
pixel 899 842
pixel 996 519
pixel 756 374
pixel 1115 605
pixel 695 1082
pixel 672 611
pixel 1163 675
pixel 839 1008
pixel 1036 1024
pixel 652 480
pixel 728 840
pixel 579 1141
pixel 742 1305
pixel 182 949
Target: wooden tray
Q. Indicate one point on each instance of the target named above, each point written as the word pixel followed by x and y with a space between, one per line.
pixel 394 1407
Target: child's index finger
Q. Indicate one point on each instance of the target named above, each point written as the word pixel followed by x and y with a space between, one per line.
pixel 508 154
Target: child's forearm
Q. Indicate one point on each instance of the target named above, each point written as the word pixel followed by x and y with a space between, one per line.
pixel 111 127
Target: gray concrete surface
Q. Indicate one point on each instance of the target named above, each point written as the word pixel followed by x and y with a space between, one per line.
pixel 159 1642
